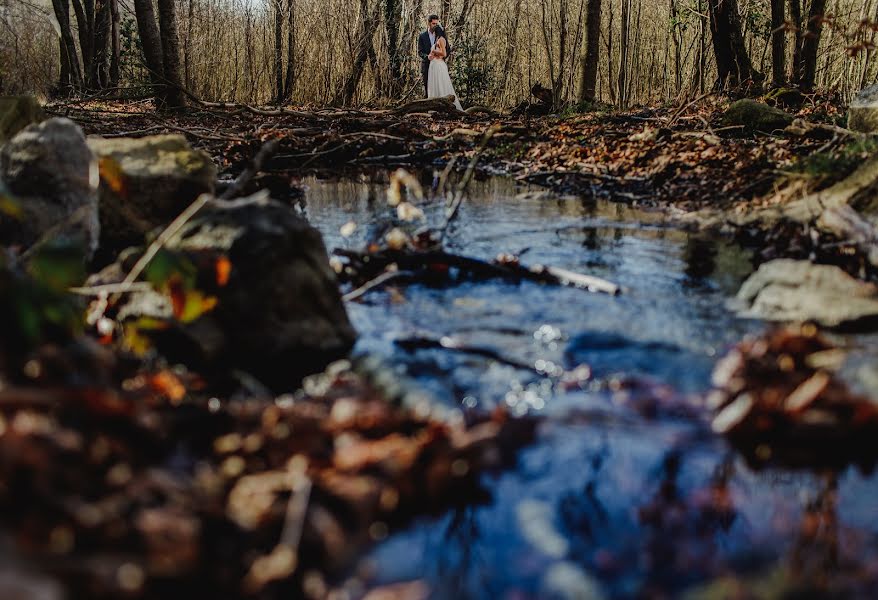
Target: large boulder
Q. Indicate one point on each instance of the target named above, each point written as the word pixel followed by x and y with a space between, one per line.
pixel 796 290
pixel 51 173
pixel 863 111
pixel 756 116
pixel 279 313
pixel 16 113
pixel 145 183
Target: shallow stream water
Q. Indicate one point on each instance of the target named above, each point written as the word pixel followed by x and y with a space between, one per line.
pixel 620 496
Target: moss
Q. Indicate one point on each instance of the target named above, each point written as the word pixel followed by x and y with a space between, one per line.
pixel 826 168
pixel 756 116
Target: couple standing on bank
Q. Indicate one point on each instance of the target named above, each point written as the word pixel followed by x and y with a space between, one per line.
pixel 433 48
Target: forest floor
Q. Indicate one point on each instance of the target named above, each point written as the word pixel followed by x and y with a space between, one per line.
pixel 679 157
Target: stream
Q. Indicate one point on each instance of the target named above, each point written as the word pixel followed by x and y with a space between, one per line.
pixel 624 494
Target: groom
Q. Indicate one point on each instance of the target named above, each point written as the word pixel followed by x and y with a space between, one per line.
pixel 425 45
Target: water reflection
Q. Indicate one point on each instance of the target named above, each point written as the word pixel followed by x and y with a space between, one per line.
pixel 620 497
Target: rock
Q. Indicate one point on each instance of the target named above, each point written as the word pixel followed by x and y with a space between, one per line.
pixel 566 580
pixel 793 290
pixel 863 111
pixel 756 116
pixel 16 113
pixel 53 176
pixel 279 316
pixel 146 183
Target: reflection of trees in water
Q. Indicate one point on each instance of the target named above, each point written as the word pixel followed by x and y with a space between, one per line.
pixel 815 553
pixel 700 256
pixel 824 561
pixel 681 529
pixel 460 565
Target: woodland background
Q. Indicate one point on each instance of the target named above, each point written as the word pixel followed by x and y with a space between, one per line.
pixel 347 52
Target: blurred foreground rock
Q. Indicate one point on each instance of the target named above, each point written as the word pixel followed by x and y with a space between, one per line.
pixel 145 183
pixel 53 178
pixel 278 314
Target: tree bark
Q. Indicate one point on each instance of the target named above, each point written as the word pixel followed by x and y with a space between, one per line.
pixel 67 46
pixel 625 18
pixel 99 71
pixel 151 42
pixel 732 60
pixel 796 18
pixel 392 15
pixel 808 69
pixel 364 43
pixel 290 80
pixel 778 43
pixel 591 60
pixel 116 44
pixel 278 51
pixel 174 97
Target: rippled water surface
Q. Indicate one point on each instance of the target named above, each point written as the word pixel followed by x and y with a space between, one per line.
pixel 620 496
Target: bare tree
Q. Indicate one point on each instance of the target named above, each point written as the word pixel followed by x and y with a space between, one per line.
pixel 71 72
pixel 778 43
pixel 290 79
pixel 732 60
pixel 591 60
pixel 151 42
pixel 279 50
pixel 808 68
pixel 173 97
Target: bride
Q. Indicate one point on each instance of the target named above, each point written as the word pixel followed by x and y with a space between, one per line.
pixel 438 80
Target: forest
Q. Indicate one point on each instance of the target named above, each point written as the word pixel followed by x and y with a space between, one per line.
pixel 410 299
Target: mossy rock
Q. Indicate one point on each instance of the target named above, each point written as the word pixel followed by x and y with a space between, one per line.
pixel 756 116
pixel 784 97
pixel 863 111
pixel 16 113
pixel 145 183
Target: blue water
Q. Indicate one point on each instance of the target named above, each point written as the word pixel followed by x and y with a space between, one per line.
pixel 614 498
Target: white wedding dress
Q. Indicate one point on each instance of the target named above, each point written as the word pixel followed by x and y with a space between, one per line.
pixel 439 81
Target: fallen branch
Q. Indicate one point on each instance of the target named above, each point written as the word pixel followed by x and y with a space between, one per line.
pixel 372 265
pixel 449 343
pixel 443 105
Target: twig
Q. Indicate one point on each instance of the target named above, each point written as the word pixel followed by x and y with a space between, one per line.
pixel 451 211
pixel 377 282
pixel 449 343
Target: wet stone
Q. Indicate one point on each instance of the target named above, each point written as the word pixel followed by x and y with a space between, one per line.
pixel 792 290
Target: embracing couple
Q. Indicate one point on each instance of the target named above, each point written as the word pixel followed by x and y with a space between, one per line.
pixel 433 48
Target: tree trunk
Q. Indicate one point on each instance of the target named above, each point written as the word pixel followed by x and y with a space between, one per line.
pixel 392 15
pixel 64 71
pixel 625 23
pixel 116 44
pixel 99 73
pixel 796 18
pixel 151 42
pixel 291 51
pixel 778 43
pixel 170 41
pixel 278 51
pixel 74 71
pixel 558 84
pixel 732 61
pixel 364 43
pixel 591 60
pixel 808 69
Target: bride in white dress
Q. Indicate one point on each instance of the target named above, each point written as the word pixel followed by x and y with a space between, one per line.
pixel 438 80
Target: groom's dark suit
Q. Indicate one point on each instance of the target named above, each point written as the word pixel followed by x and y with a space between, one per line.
pixel 424 47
